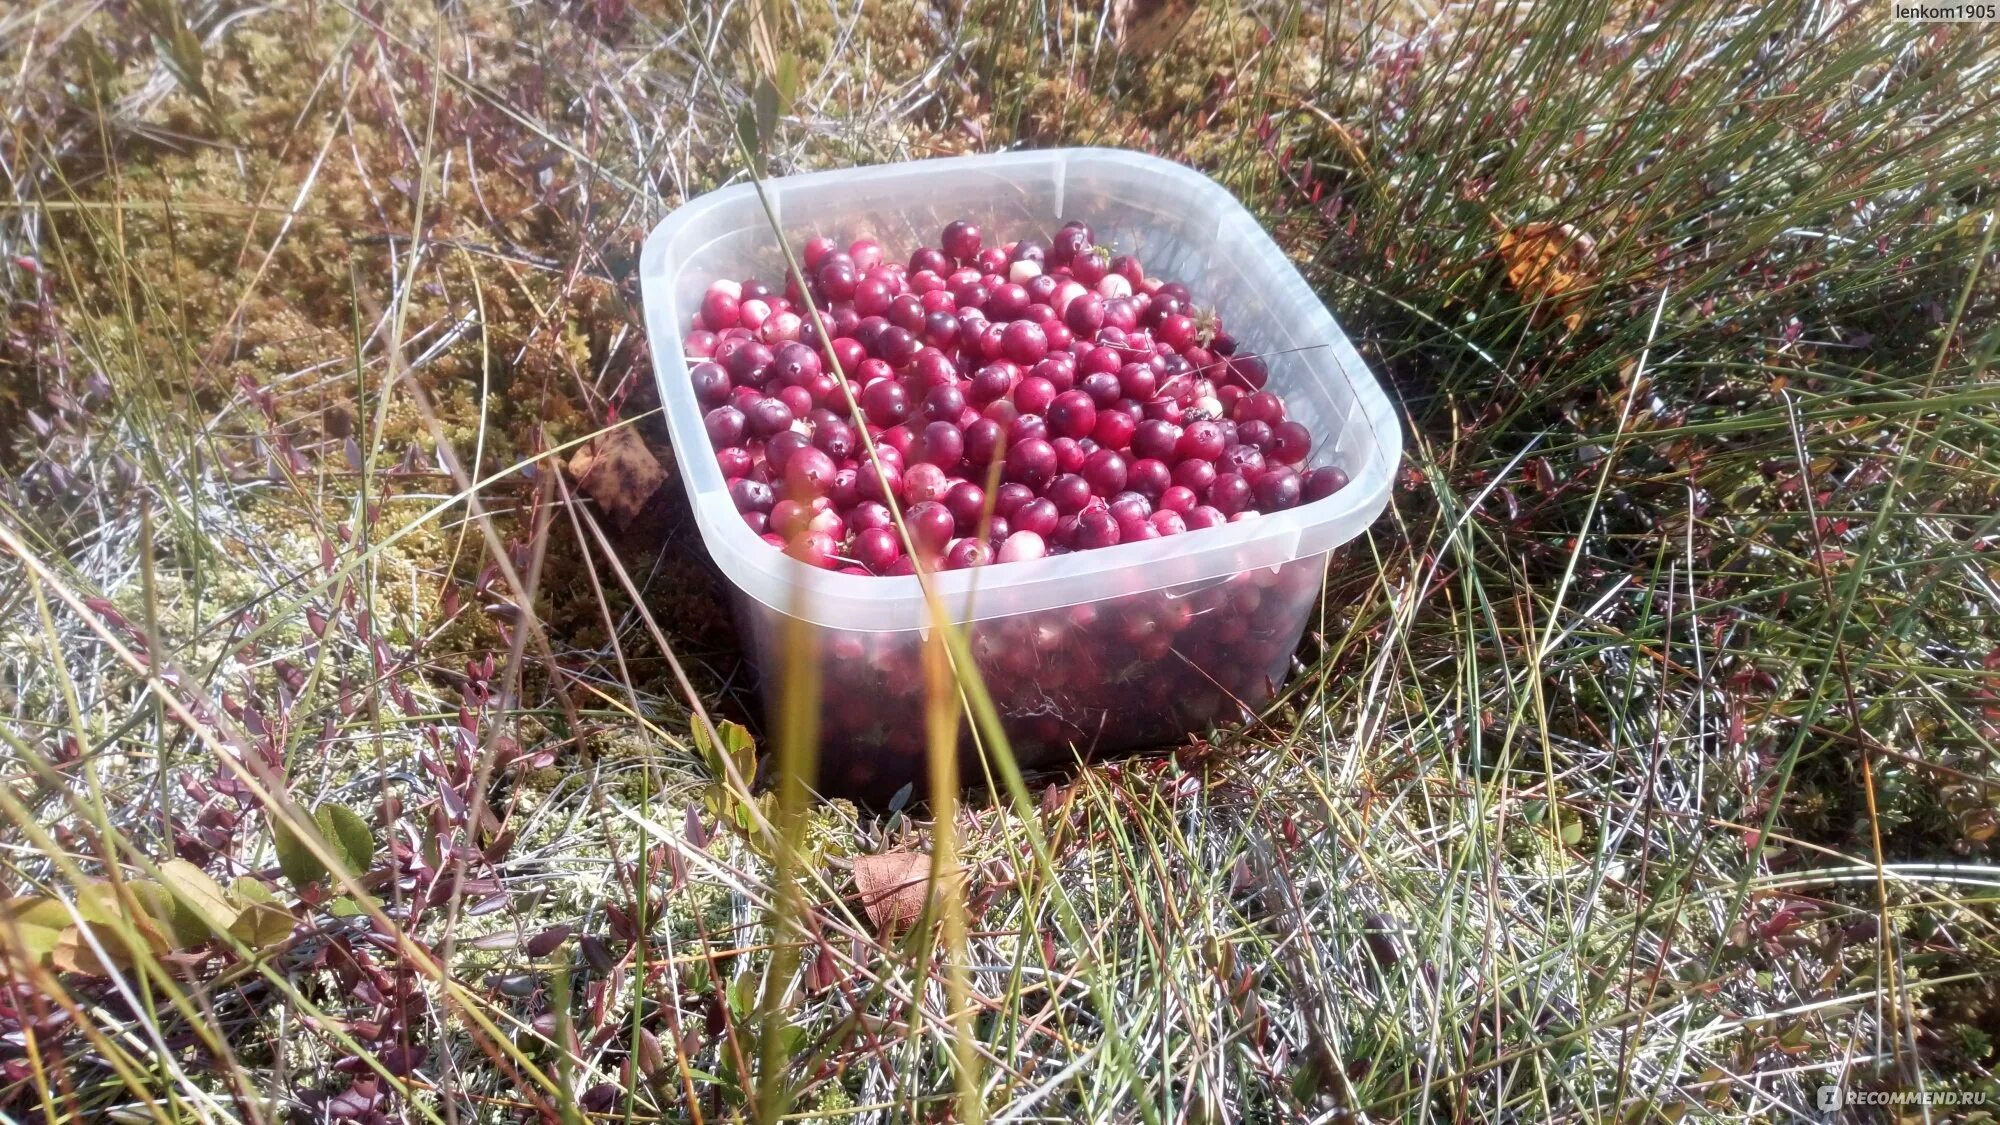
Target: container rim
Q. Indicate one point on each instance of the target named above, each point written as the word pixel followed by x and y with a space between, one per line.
pixel 887 604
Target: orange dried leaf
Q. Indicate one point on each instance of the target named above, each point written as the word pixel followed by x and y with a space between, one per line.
pixel 892 887
pixel 1550 262
pixel 619 472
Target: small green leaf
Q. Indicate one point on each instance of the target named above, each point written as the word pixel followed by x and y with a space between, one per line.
pixel 787 81
pixel 199 906
pixel 247 889
pixel 1572 832
pixel 746 130
pixel 261 925
pixel 300 866
pixel 350 836
pixel 37 923
pixel 743 996
pixel 767 98
pixel 344 908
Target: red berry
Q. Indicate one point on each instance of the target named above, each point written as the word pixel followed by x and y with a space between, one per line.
pixel 1323 482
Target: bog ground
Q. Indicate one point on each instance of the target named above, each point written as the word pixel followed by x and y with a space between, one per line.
pixel 1640 763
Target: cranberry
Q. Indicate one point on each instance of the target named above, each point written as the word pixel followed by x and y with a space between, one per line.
pixel 1129 507
pixel 1102 387
pixel 1149 477
pixel 845 491
pixel 868 514
pixel 1022 546
pixel 885 402
pixel 1039 515
pixel 1024 343
pixel 1073 239
pixel 757 522
pixel 880 483
pixel 1072 414
pixel 1195 474
pixel 725 426
pixel 967 502
pixel 1114 429
pixel 940 329
pixel 816 249
pixel 850 354
pixel 836 277
pixel 1245 460
pixel 836 438
pixel 1070 492
pixel 1137 381
pixel 808 472
pixel 942 444
pixel 791 518
pixel 1169 522
pixel 1032 394
pixel 944 403
pixel 1156 439
pixel 1096 528
pixel 711 384
pixel 1323 482
pixel 1009 302
pixel 699 344
pixel 1249 370
pixel 769 416
pixel 931 525
pixel 1031 462
pixel 1200 441
pixel 1178 499
pixel 876 548
pixel 1203 516
pixel 968 553
pixel 1058 371
pixel 924 481
pixel 1291 443
pixel 751 495
pixel 814 548
pixel 960 239
pixel 1230 494
pixel 778 451
pixel 1105 471
pixel 1090 264
pixel 749 362
pixel 1084 315
pixel 1008 498
pixel 1026 426
pixel 798 400
pixel 1278 489
pixel 866 252
pixel 1255 433
pixel 982 442
pixel 720 309
pixel 991 382
pixel 734 462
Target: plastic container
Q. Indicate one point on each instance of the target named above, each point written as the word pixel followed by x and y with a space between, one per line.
pixel 1085 654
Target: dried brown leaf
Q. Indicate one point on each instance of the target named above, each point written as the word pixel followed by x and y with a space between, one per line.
pixel 620 473
pixel 892 887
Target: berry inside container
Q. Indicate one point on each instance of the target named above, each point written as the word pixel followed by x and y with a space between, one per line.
pixel 1086 653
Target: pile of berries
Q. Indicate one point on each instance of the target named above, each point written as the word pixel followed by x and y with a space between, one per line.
pixel 1115 411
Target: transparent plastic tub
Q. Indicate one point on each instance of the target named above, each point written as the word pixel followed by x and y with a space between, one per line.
pixel 1085 654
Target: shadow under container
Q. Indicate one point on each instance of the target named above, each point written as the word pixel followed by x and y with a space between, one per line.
pixel 1085 654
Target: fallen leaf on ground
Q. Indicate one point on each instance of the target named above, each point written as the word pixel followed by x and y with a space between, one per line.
pixel 619 472
pixel 892 886
pixel 1550 262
